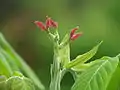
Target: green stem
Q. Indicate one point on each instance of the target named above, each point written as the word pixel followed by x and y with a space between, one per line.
pixel 55 81
pixel 56 71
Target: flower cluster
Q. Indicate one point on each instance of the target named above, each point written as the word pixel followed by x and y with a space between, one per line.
pixel 49 24
pixel 52 24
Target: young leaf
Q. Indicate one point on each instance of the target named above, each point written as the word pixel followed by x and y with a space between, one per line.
pixel 65 40
pixel 19 83
pixel 83 58
pixel 65 50
pixel 81 67
pixel 97 76
pixel 20 62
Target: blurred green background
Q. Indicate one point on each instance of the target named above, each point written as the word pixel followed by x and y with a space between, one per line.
pixel 98 20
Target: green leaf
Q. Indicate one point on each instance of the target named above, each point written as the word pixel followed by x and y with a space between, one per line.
pixel 114 83
pixel 5 68
pixel 8 57
pixel 65 40
pixel 81 67
pixel 20 62
pixel 3 82
pixel 17 73
pixel 19 83
pixel 97 76
pixel 64 51
pixel 83 58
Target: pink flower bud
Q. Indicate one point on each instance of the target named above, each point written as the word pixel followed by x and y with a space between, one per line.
pixel 40 25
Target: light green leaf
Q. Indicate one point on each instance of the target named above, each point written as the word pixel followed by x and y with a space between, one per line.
pixel 81 67
pixel 2 82
pixel 65 40
pixel 114 83
pixel 17 73
pixel 5 68
pixel 83 58
pixel 97 76
pixel 10 60
pixel 20 62
pixel 19 83
pixel 64 51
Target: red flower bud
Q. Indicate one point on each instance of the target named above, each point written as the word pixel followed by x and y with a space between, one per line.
pixel 40 25
pixel 75 36
pixel 51 23
pixel 73 31
pixel 54 24
pixel 48 22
